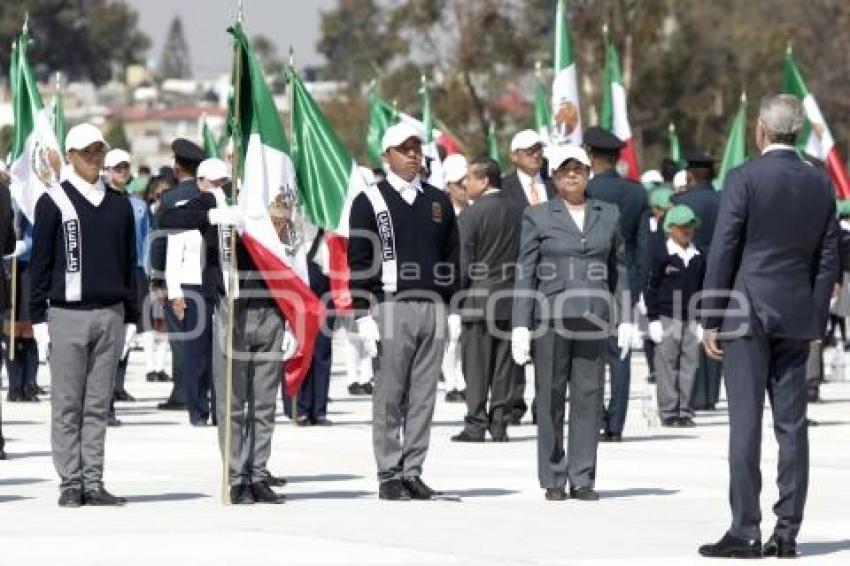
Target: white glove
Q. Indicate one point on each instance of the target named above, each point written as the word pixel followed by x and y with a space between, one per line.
pixel 521 345
pixel 42 339
pixel 367 329
pixel 625 336
pixel 454 327
pixel 699 332
pixel 289 344
pixel 129 334
pixel 20 248
pixel 656 331
pixel 226 216
pixel 641 305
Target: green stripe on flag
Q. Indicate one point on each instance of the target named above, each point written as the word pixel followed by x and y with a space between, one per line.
pixel 735 153
pixel 26 97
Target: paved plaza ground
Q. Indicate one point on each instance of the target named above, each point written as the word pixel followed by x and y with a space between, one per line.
pixel 663 493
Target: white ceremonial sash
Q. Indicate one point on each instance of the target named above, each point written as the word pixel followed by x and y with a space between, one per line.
pixel 384 221
pixel 73 243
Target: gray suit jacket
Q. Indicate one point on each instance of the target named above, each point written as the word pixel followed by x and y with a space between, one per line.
pixel 567 273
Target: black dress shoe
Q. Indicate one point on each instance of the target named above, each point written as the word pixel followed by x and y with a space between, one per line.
pixel 102 498
pixel 418 489
pixel 40 390
pixel 171 406
pixel 731 546
pixel 264 494
pixel 464 436
pixel 585 493
pixel 610 437
pixel 499 436
pixel 112 420
pixel 30 397
pixel 321 421
pixel 124 395
pixel 152 376
pixel 670 422
pixel 454 396
pixel 241 495
pixel 393 490
pixel 71 497
pixel 780 547
pixel 355 389
pixel 556 494
pixel 686 422
pixel 515 420
pixel 15 397
pixel 275 481
pixel 162 376
pixel 303 420
pixel 367 388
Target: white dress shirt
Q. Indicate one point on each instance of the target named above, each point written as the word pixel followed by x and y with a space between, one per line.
pixel 778 147
pixel 686 254
pixel 526 183
pixel 183 261
pixel 94 193
pixel 408 191
pixel 578 215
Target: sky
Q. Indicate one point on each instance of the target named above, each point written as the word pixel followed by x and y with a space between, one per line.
pixel 285 22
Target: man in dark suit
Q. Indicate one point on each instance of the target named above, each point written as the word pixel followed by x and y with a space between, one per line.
pixel 187 158
pixel 7 246
pixel 528 185
pixel 633 204
pixel 776 284
pixel 489 246
pixel 701 197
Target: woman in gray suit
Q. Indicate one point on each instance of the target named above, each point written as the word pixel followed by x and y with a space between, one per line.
pixel 572 279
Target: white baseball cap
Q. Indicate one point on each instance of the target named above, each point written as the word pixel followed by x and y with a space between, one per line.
pixel 83 135
pixel 651 177
pixel 116 156
pixel 398 134
pixel 213 169
pixel 454 168
pixel 525 139
pixel 560 154
pixel 680 180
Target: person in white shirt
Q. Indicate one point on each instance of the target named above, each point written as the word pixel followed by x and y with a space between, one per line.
pixel 183 266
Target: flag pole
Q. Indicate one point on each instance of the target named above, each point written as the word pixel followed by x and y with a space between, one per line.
pixel 290 93
pixel 233 281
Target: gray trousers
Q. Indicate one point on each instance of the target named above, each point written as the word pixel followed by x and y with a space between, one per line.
pixel 84 349
pixel 413 335
pixel 676 360
pixel 487 368
pixel 752 365
pixel 257 375
pixel 561 361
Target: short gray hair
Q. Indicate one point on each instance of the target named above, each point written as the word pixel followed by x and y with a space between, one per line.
pixel 782 116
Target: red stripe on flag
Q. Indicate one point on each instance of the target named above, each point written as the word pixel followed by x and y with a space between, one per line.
pixel 299 305
pixel 628 155
pixel 340 273
pixel 838 173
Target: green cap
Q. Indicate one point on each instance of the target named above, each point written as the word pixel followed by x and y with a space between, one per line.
pixel 843 207
pixel 660 197
pixel 137 185
pixel 680 215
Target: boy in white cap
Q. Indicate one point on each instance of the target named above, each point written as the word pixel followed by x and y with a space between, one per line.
pixel 404 257
pixel 82 295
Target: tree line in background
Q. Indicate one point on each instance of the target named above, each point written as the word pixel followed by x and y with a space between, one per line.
pixel 684 61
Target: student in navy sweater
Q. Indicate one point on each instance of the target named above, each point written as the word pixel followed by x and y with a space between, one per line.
pixel 676 272
pixel 81 281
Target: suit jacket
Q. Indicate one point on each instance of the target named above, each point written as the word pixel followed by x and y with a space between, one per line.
pixel 489 235
pixel 512 188
pixel 705 202
pixel 776 242
pixel 568 273
pixel 7 239
pixel 182 191
pixel 633 204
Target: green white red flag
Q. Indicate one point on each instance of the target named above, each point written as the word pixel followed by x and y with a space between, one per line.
pixel 735 151
pixel 615 114
pixel 266 173
pixel 817 140
pixel 565 110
